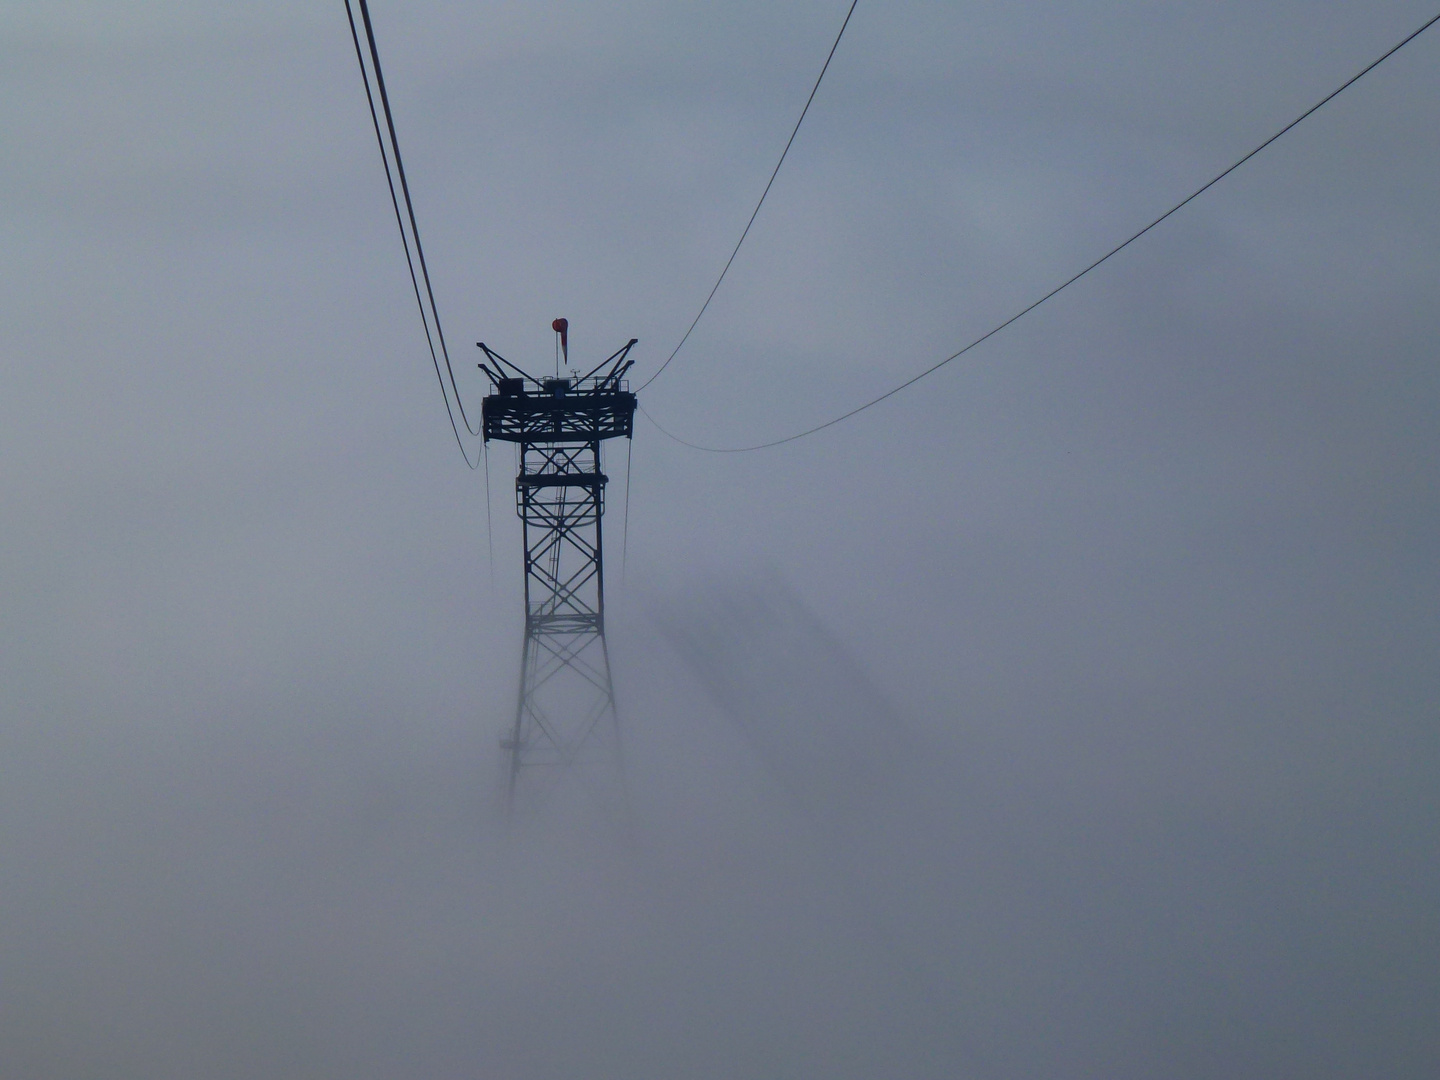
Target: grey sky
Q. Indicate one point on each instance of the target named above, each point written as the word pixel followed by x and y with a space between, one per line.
pixel 1151 577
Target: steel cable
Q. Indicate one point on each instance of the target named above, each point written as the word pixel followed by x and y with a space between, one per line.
pixel 433 313
pixel 754 213
pixel 1063 285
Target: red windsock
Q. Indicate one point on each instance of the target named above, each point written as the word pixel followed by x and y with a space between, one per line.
pixel 562 327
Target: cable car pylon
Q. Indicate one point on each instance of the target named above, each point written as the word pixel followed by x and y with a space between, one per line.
pixel 565 712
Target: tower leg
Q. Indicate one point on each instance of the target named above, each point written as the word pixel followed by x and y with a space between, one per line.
pixel 565 708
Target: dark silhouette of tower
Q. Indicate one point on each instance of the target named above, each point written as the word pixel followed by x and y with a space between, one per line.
pixel 565 711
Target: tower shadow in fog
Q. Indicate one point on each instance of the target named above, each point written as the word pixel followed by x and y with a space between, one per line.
pixel 845 760
pixel 824 732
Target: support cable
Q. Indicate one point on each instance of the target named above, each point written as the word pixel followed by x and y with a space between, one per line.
pixel 410 209
pixel 754 213
pixel 625 528
pixel 489 528
pixel 1061 287
pixel 425 318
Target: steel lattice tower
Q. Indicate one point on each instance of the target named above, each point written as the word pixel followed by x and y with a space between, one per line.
pixel 566 705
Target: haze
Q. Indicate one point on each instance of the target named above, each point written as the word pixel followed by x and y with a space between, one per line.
pixel 1072 714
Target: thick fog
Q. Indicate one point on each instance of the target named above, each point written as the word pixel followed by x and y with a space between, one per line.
pixel 1075 713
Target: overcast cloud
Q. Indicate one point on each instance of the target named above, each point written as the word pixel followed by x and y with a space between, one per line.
pixel 1072 714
